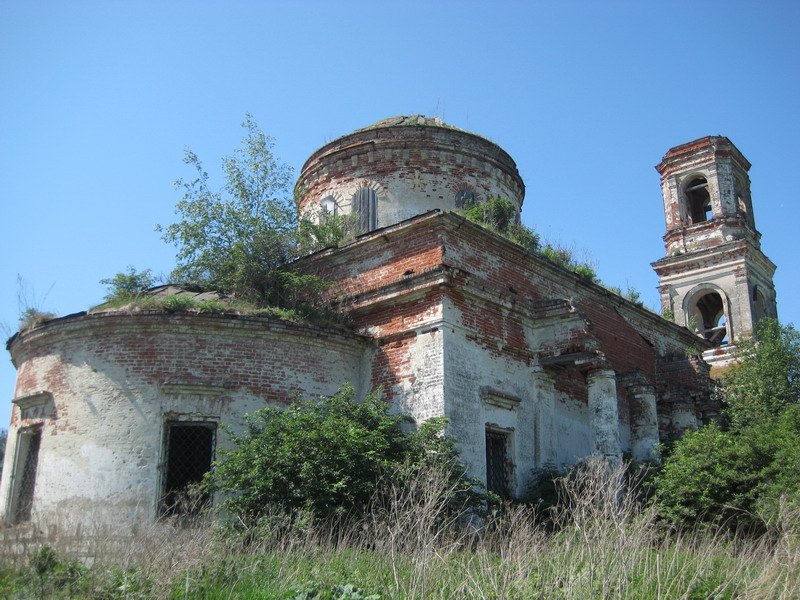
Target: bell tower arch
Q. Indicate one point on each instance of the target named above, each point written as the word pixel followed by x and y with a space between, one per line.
pixel 714 278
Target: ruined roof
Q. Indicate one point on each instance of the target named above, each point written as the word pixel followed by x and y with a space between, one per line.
pixel 717 145
pixel 411 121
pixel 189 291
pixel 708 140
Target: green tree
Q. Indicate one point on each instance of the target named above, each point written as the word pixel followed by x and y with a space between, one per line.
pixel 739 471
pixel 129 284
pixel 326 455
pixel 239 240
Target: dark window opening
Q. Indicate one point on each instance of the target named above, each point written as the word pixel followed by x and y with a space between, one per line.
pixel 741 202
pixel 759 305
pixel 27 465
pixel 711 322
pixel 498 464
pixel 365 203
pixel 189 452
pixel 698 201
pixel 465 198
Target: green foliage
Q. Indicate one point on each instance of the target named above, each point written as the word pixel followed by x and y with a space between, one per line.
pixel 61 578
pixel 330 232
pixel 210 307
pixel 739 471
pixel 497 214
pixel 767 379
pixel 326 456
pixel 315 590
pixel 692 351
pixel 129 284
pixel 668 314
pixel 175 304
pixel 239 240
pixel 565 257
pixel 501 215
pixel 32 317
pixel 634 296
pixel 31 313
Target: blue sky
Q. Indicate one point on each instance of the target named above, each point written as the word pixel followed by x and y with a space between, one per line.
pixel 99 99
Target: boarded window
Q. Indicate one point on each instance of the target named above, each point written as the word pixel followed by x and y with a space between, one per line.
pixel 189 451
pixel 465 198
pixel 26 467
pixel 365 203
pixel 498 465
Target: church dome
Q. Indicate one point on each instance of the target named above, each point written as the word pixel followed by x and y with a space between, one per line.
pixel 404 166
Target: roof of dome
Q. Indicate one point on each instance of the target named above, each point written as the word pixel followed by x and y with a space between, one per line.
pixel 410 121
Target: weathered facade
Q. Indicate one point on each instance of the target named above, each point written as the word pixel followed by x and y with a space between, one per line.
pixel 714 279
pixel 533 365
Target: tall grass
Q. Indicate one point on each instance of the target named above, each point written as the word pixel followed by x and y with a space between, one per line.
pixel 600 540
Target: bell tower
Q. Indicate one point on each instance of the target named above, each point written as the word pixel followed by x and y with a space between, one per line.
pixel 714 279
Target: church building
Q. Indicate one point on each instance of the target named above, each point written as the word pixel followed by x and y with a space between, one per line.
pixel 533 365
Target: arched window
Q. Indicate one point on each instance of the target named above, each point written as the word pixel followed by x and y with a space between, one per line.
pixel 327 208
pixel 741 199
pixel 365 203
pixel 759 305
pixel 465 198
pixel 707 318
pixel 698 201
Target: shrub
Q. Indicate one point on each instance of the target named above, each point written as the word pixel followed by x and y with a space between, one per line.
pixel 501 215
pixel 178 303
pixel 738 471
pixel 325 456
pixel 210 306
pixel 32 317
pixel 129 284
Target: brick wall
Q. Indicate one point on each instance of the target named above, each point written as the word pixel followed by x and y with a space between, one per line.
pixel 115 379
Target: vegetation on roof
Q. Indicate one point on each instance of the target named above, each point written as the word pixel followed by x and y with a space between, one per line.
pixel 411 121
pixel 237 243
pixel 501 216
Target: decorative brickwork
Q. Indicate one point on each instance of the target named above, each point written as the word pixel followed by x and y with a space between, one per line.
pixel 449 319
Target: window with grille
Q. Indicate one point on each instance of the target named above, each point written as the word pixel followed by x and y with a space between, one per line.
pixel 498 463
pixel 189 450
pixel 27 464
pixel 365 205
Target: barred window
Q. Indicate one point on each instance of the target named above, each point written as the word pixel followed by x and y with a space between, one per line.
pixel 498 463
pixel 189 448
pixel 27 464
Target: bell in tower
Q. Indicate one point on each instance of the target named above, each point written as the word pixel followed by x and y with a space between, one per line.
pixel 714 279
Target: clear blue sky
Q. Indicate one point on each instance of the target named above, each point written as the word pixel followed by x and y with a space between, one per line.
pixel 99 99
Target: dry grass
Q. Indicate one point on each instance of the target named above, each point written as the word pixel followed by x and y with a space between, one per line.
pixel 600 541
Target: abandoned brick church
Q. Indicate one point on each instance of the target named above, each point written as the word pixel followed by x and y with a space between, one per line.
pixel 533 365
